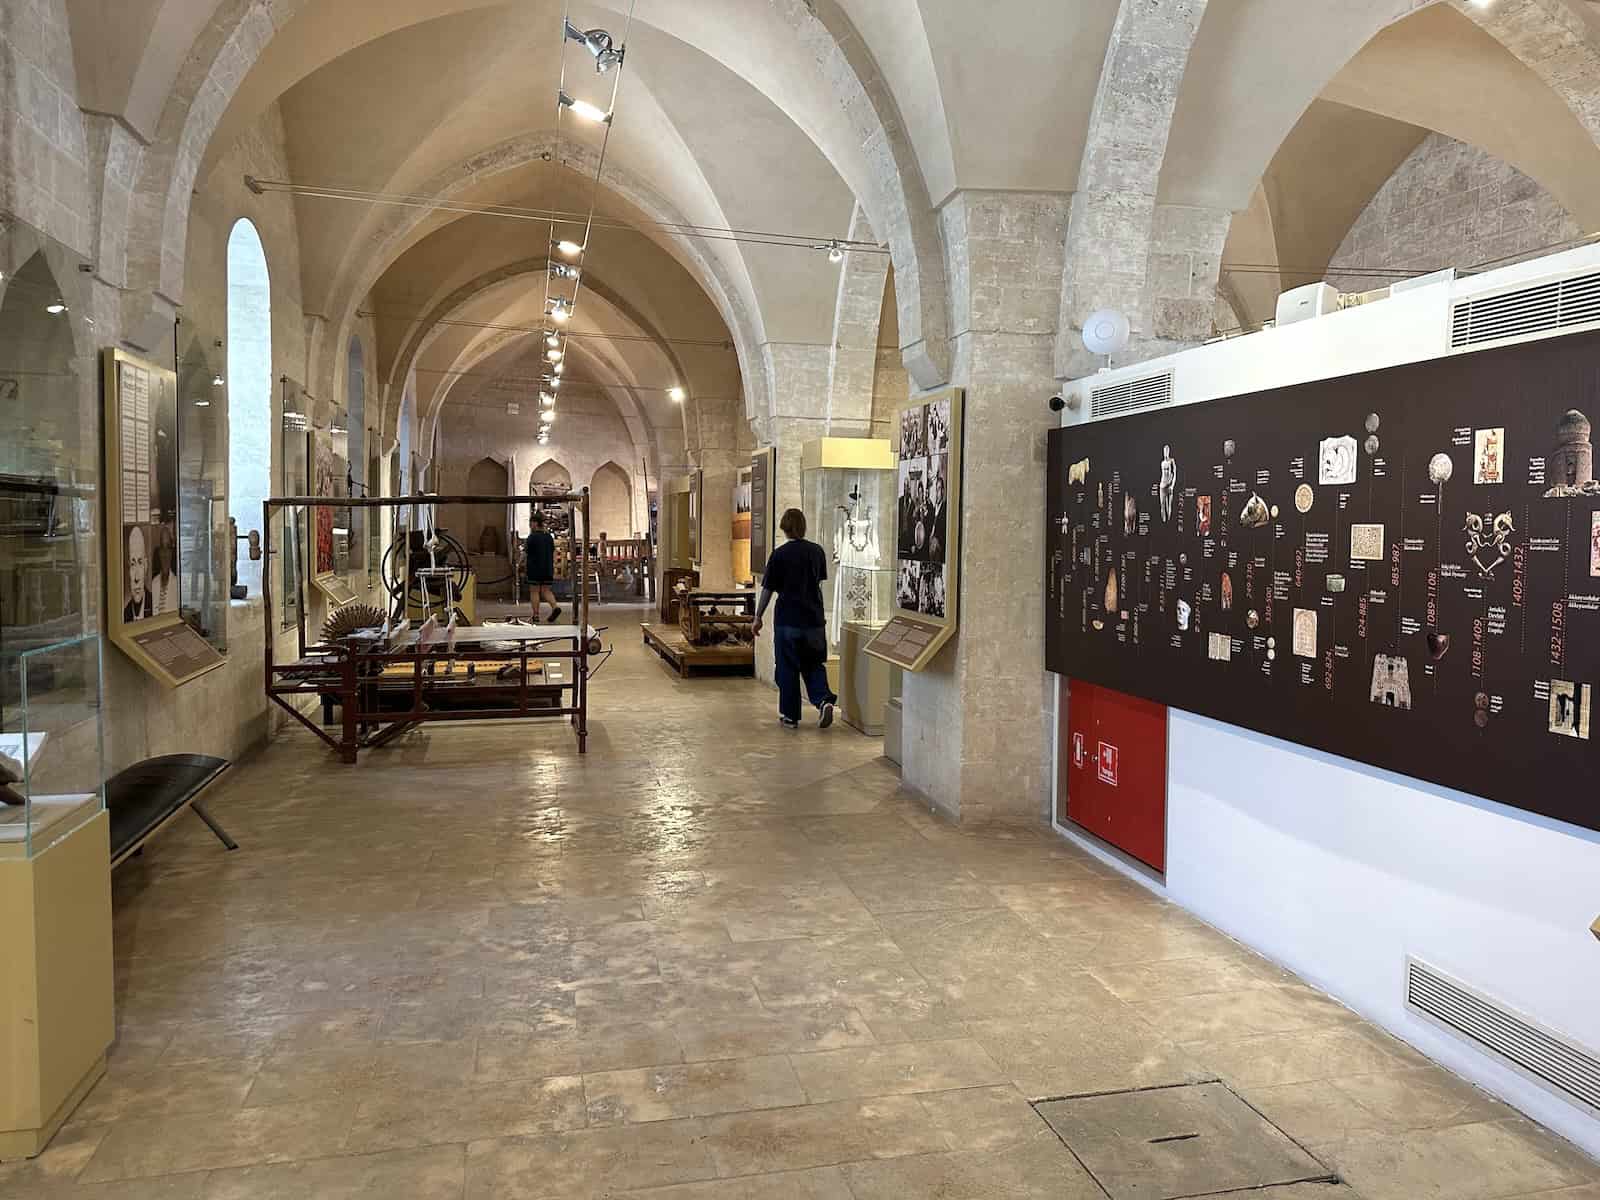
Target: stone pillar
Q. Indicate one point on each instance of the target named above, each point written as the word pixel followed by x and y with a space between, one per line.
pixel 976 720
pixel 853 357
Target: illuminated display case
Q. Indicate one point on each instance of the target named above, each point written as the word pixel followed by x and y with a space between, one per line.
pixel 847 494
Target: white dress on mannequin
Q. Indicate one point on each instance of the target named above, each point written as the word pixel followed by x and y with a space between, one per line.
pixel 855 556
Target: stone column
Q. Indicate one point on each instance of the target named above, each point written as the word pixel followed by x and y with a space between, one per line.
pixel 976 720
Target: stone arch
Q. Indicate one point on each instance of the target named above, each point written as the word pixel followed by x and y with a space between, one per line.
pixel 611 502
pixel 549 473
pixel 154 222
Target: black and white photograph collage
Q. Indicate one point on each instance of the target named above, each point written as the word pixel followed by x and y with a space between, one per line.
pixel 923 509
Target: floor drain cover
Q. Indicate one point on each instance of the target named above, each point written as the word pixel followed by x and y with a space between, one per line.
pixel 1179 1142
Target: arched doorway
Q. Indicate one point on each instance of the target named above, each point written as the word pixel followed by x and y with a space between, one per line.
pixel 485 527
pixel 611 502
pixel 249 351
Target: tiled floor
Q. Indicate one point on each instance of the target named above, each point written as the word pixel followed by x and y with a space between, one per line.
pixel 714 960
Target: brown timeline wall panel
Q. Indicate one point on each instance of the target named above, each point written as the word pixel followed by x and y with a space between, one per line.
pixel 1226 558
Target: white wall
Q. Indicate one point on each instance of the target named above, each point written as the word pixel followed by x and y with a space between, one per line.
pixel 1338 870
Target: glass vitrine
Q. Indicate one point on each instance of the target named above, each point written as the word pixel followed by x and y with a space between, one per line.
pixel 847 494
pixel 51 746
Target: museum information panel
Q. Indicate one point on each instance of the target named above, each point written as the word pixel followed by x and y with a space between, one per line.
pixel 1400 567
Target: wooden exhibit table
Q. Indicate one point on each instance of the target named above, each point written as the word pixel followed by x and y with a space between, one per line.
pixel 706 637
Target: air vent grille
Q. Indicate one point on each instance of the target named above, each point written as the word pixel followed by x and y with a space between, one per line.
pixel 1135 395
pixel 1538 1053
pixel 1544 308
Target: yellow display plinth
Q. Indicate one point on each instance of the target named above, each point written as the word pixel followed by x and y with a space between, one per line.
pixel 56 989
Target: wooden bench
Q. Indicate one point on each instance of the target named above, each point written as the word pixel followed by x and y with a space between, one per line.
pixel 145 797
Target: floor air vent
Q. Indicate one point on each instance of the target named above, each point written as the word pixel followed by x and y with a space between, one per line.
pixel 1542 1055
pixel 1544 308
pixel 1133 396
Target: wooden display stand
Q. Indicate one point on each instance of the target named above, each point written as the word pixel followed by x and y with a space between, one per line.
pixel 680 645
pixel 56 984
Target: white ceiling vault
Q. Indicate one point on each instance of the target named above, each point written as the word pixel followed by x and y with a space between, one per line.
pixel 780 116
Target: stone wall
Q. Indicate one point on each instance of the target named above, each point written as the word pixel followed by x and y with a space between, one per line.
pixel 1449 205
pixel 44 155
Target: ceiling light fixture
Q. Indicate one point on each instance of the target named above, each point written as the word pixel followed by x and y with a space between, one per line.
pixel 570 249
pixel 560 367
pixel 56 309
pixel 216 381
pixel 551 340
pixel 835 252
pixel 560 310
pixel 676 393
pixel 546 399
pixel 598 42
pixel 582 108
pixel 553 355
pixel 563 271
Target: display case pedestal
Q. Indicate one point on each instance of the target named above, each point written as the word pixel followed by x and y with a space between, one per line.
pixel 56 988
pixel 863 680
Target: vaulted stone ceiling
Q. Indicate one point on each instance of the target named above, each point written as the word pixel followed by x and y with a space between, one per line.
pixel 786 115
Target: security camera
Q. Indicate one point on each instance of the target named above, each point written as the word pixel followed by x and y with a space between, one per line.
pixel 1058 402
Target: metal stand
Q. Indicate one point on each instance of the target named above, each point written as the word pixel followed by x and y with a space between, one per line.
pixel 211 823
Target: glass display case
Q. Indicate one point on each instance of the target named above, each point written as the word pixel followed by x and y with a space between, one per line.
pixel 50 552
pixel 52 747
pixel 205 545
pixel 847 488
pixel 292 533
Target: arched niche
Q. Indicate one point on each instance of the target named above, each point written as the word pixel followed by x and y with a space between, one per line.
pixel 549 475
pixel 485 527
pixel 611 502
pixel 249 382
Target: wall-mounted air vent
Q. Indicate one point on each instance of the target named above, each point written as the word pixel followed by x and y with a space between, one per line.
pixel 1543 308
pixel 1135 395
pixel 1541 1054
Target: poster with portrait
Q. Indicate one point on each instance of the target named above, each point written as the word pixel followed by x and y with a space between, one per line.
pixel 143 595
pixel 927 434
pixel 143 399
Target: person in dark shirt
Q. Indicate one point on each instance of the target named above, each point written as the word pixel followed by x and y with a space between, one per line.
pixel 795 571
pixel 541 548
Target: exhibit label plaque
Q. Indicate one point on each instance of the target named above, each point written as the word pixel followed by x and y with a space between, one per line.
pixel 178 651
pixel 1400 567
pixel 927 435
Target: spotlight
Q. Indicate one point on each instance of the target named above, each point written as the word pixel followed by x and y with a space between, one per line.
pixel 560 310
pixel 676 393
pixel 835 252
pixel 560 367
pixel 216 381
pixel 570 249
pixel 562 271
pixel 582 108
pixel 551 340
pixel 553 355
pixel 546 399
pixel 598 43
pixel 56 308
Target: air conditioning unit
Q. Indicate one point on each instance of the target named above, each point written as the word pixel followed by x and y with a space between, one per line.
pixel 1303 303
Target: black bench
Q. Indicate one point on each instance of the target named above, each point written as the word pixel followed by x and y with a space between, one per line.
pixel 143 798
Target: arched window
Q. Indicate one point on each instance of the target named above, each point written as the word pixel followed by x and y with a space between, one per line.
pixel 611 503
pixel 249 351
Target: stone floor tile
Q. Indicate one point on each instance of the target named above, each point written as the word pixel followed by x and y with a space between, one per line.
pixel 67 1154
pixel 432 1173
pixel 820 1183
pixel 1258 1008
pixel 1487 1161
pixel 331 1074
pixel 1297 1057
pixel 587 1162
pixel 981 1118
pixel 138 1146
pixel 1174 977
pixel 815 1135
pixel 1063 1055
pixel 798 1030
pixel 695 1089
pixel 1040 1168
pixel 388 1120
pixel 900 1069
